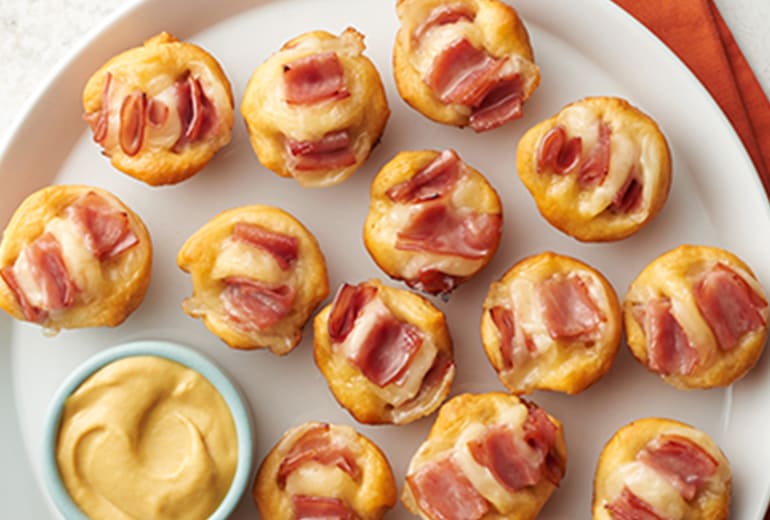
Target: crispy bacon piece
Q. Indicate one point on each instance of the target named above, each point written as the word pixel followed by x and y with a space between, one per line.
pixel 332 151
pixel 502 102
pixel 196 112
pixel 254 304
pixel 628 506
pixel 387 351
pixel 540 435
pixel 318 444
pixel 682 462
pixel 729 305
pixel 347 305
pixel 443 15
pixel 314 78
pixel 99 121
pixel 106 229
pixel 438 228
pixel 595 168
pixel 557 152
pixel 511 337
pixel 443 492
pixel 629 196
pixel 132 117
pixel 434 181
pixel 320 508
pixel 284 248
pixel 668 346
pixel 30 312
pixel 567 308
pixel 433 281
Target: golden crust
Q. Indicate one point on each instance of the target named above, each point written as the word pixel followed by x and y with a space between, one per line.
pixel 153 68
pixel 673 275
pixel 567 365
pixel 124 278
pixel 496 28
pixel 712 503
pixel 462 412
pixel 201 256
pixel 270 119
pixel 586 213
pixel 385 218
pixel 370 498
pixel 354 391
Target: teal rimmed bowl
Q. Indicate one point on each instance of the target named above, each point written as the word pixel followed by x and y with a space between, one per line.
pixel 174 352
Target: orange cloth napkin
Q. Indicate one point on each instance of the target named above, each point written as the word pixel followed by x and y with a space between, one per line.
pixel 696 32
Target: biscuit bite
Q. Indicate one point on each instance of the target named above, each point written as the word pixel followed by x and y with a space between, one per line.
pixel 385 353
pixel 433 222
pixel 316 108
pixel 488 456
pixel 160 111
pixel 72 257
pixel 464 62
pixel 660 468
pixel 320 470
pixel 697 316
pixel 551 323
pixel 599 170
pixel 257 274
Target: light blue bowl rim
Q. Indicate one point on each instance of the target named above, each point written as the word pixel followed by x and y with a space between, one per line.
pixel 175 352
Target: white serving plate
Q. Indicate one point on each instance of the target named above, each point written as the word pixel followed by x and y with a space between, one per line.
pixel 584 48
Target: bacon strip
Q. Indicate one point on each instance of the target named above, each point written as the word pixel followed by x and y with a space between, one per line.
pixel 443 15
pixel 106 229
pixel 157 113
pixel 502 102
pixel 99 121
pixel 668 346
pixel 346 307
pixel 443 492
pixel 434 181
pixel 503 320
pixel 438 228
pixel 595 168
pixel 196 112
pixel 628 506
pixel 685 464
pixel 132 117
pixel 255 304
pixel 729 305
pixel 320 508
pixel 540 435
pixel 333 150
pixel 30 312
pixel 433 281
pixel 318 444
pixel 567 308
pixel 314 78
pixel 387 351
pixel 629 196
pixel 284 248
pixel 558 153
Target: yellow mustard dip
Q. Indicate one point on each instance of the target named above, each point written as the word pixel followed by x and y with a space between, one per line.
pixel 145 437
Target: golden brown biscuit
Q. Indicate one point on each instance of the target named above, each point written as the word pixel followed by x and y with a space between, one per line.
pixel 320 470
pixel 598 170
pixel 433 221
pixel 464 62
pixel 488 456
pixel 659 468
pixel 257 274
pixel 385 353
pixel 160 111
pixel 72 257
pixel 551 323
pixel 316 108
pixel 697 316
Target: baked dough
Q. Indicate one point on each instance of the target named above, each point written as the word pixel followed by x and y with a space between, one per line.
pixel 434 254
pixel 598 170
pixel 714 299
pixel 330 466
pixel 537 441
pixel 487 35
pixel 85 242
pixel 160 111
pixel 620 468
pixel 400 323
pixel 258 274
pixel 324 131
pixel 551 323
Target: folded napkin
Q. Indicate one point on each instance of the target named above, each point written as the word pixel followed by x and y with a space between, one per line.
pixel 696 32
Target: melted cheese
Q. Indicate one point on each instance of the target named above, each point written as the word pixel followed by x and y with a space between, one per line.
pixel 624 154
pixel 237 258
pixel 314 479
pixel 418 368
pixel 650 486
pixel 84 268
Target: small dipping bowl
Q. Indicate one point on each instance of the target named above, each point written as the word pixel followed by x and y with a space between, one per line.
pixel 173 352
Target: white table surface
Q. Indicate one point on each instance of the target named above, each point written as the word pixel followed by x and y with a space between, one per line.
pixel 35 35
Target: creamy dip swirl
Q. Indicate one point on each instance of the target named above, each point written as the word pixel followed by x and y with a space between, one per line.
pixel 145 437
